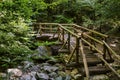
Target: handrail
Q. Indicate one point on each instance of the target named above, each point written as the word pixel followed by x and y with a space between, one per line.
pixel 113 52
pixel 47 23
pixel 60 25
pixel 91 31
pixel 72 33
pixel 100 42
pixel 77 26
pixel 101 57
pixel 81 38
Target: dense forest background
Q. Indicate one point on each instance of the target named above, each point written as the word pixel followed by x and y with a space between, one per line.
pixel 16 16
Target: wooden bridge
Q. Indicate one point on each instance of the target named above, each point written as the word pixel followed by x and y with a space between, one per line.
pixel 87 49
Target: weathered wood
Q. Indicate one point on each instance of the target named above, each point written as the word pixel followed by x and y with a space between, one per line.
pixel 79 27
pixel 64 44
pixel 68 42
pixel 55 33
pixel 77 50
pixel 48 28
pixel 96 70
pixel 63 51
pixel 63 39
pixel 112 69
pixel 95 32
pixel 90 61
pixel 45 23
pixel 106 63
pixel 113 52
pixel 93 46
pixel 94 39
pixel 93 61
pixel 72 33
pixel 84 60
pixel 71 55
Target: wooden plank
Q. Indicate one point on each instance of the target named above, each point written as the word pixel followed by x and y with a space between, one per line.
pixel 71 55
pixel 84 60
pixel 77 49
pixel 96 70
pixel 69 42
pixel 63 51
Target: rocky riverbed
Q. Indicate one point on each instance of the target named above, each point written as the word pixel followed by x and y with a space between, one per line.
pixel 45 67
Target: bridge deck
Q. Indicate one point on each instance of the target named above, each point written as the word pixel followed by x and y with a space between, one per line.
pixel 87 48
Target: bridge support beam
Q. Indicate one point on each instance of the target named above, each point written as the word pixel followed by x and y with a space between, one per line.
pixel 77 49
pixel 69 42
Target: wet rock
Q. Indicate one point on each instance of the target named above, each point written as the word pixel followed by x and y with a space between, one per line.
pixel 29 76
pixel 50 68
pixel 27 64
pixel 59 78
pixel 42 50
pixel 68 77
pixel 42 55
pixel 35 68
pixel 42 76
pixel 63 75
pixel 99 77
pixel 53 75
pixel 14 73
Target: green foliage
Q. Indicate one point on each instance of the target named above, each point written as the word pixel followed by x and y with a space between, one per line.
pixel 62 19
pixel 111 9
pixel 22 8
pixel 14 38
pixel 12 46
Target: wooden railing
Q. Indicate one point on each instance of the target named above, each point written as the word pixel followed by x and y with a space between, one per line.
pixel 80 35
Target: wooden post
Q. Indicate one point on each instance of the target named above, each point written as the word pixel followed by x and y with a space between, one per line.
pixel 50 29
pixel 77 50
pixel 60 30
pixel 104 49
pixel 69 42
pixel 84 60
pixel 40 29
pixel 113 52
pixel 58 33
pixel 71 55
pixel 63 35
